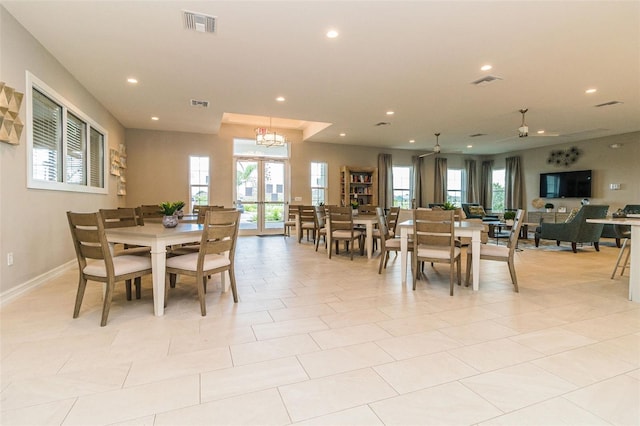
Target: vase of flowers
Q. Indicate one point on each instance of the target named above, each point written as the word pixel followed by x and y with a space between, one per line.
pixel 549 207
pixel 170 209
pixel 354 207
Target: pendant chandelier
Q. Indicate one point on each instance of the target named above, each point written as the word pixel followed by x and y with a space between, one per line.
pixel 268 137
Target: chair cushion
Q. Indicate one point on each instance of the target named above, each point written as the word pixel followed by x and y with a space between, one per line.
pixel 189 262
pixel 345 234
pixel 392 243
pixel 493 250
pixel 476 210
pixel 436 252
pixel 308 225
pixel 121 265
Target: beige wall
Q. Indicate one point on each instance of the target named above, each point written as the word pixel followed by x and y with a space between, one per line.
pixel 33 225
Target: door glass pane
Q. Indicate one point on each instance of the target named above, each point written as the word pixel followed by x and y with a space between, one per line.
pixel 247 193
pixel 274 195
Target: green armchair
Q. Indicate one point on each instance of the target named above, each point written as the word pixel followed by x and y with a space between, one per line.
pixel 576 230
pixel 620 232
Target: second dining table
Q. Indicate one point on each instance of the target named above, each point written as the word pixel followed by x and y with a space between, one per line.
pixel 461 229
pixel 156 236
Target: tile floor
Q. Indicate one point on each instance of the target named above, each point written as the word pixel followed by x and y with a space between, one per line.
pixel 330 342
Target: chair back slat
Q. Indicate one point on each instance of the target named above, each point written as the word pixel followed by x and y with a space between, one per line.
pixel 434 228
pixel 515 230
pixel 151 211
pixel 382 224
pixel 340 218
pixel 89 238
pixel 220 233
pixel 118 218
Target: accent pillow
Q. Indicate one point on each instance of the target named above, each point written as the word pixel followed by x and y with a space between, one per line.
pixel 572 215
pixel 476 210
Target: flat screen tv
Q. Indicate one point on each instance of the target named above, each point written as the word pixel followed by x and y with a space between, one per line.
pixel 566 184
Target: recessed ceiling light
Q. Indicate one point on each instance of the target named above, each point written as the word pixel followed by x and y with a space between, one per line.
pixel 412 141
pixel 390 112
pixel 615 145
pixel 155 118
pixel 332 34
pixel 540 132
pixel 591 90
pixel 343 134
pixel 132 80
pixel 280 99
pixel 469 146
pixel 486 67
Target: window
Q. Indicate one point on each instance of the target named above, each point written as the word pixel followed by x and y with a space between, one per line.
pixel 498 184
pixel 402 187
pixel 198 181
pixel 318 183
pixel 454 186
pixel 66 149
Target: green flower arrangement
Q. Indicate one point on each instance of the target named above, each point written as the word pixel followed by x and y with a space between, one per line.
pixel 448 206
pixel 509 215
pixel 354 204
pixel 170 208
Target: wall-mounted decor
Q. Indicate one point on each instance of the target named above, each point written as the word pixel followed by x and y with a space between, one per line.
pixel 118 167
pixel 10 124
pixel 565 158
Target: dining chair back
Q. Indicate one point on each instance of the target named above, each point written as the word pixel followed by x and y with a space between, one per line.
pixel 95 262
pixel 321 229
pixel 216 254
pixel 387 241
pixel 291 219
pixel 392 220
pixel 500 253
pixel 150 211
pixel 367 209
pixel 434 242
pixel 342 229
pixel 308 221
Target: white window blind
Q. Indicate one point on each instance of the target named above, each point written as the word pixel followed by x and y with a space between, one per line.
pixel 47 138
pixel 96 159
pixel 76 147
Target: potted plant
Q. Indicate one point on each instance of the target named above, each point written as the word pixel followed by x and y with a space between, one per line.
pixel 548 206
pixel 448 205
pixel 170 209
pixel 509 217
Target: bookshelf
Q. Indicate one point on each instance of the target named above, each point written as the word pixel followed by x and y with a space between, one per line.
pixel 359 184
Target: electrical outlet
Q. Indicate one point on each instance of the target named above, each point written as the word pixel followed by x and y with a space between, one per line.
pixel 9 259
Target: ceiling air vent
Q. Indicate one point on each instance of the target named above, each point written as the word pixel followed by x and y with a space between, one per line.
pixel 486 80
pixel 199 22
pixel 610 103
pixel 199 104
pixel 476 135
pixel 382 123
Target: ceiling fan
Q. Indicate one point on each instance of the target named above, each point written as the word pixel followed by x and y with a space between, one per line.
pixel 523 131
pixel 436 148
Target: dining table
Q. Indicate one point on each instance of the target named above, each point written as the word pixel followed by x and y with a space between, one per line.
pixel 634 270
pixel 460 229
pixel 156 236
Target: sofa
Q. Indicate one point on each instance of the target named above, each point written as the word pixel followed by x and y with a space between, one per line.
pixel 576 229
pixel 476 211
pixel 620 232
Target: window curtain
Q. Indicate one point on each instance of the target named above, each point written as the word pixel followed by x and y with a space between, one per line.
pixel 416 189
pixel 385 181
pixel 440 187
pixel 513 191
pixel 471 181
pixel 486 184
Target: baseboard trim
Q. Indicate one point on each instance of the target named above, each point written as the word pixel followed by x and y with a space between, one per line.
pixel 19 290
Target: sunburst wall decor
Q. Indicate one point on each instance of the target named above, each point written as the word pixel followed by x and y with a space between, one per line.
pixel 565 158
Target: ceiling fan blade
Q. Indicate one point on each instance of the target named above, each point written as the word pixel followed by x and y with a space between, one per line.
pixel 427 154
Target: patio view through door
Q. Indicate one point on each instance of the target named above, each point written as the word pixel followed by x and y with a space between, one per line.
pixel 260 193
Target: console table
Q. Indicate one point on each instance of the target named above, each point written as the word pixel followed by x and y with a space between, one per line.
pixel 634 274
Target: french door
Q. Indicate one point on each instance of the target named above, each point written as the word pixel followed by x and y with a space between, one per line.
pixel 260 193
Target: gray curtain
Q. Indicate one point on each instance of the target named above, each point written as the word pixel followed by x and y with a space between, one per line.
pixel 440 187
pixel 385 181
pixel 486 184
pixel 471 181
pixel 416 194
pixel 514 184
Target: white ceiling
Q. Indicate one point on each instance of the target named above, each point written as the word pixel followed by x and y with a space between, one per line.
pixel 416 58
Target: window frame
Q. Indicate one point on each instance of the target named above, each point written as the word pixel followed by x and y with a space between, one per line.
pixel 323 189
pixel 192 203
pixel 494 182
pixel 460 191
pixel 67 108
pixel 408 190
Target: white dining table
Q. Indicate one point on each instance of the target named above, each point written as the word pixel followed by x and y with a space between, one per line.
pixel 460 229
pixel 156 236
pixel 634 272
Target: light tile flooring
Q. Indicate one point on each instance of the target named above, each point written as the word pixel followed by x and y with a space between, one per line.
pixel 330 342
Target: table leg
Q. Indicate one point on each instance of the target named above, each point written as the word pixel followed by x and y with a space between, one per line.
pixel 634 272
pixel 369 239
pixel 158 268
pixel 475 260
pixel 404 249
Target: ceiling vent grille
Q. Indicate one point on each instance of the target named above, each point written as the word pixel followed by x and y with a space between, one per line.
pixel 382 123
pixel 610 103
pixel 477 135
pixel 486 80
pixel 199 22
pixel 199 104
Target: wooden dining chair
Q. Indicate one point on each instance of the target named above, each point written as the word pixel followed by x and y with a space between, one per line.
pixel 392 220
pixel 308 222
pixel 321 228
pixel 500 253
pixel 119 218
pixel 216 254
pixel 342 229
pixel 434 242
pixel 148 211
pixel 95 262
pixel 292 210
pixel 388 243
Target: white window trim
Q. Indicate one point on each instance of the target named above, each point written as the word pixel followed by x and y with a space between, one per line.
pixel 34 82
pixel 324 188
